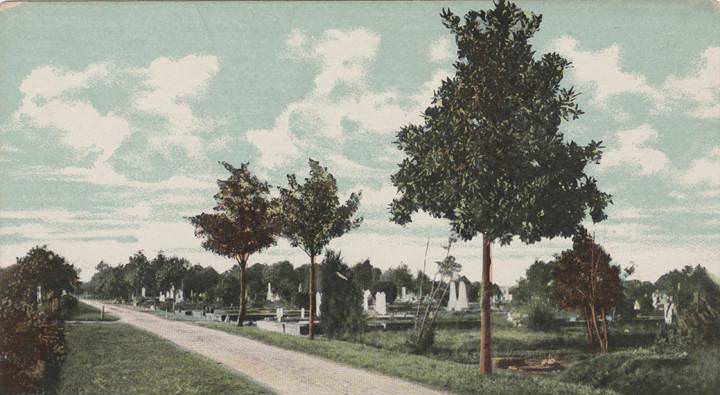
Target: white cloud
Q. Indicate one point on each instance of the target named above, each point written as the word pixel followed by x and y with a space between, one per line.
pixel 602 71
pixel 632 149
pixel 702 86
pixel 169 83
pixel 83 127
pixel 104 174
pixel 341 94
pixel 704 172
pixel 296 39
pixel 440 50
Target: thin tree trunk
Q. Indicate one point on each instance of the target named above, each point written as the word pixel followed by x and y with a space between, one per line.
pixel 312 298
pixel 485 341
pixel 243 292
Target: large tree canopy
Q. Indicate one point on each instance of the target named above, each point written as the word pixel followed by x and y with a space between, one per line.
pixel 490 156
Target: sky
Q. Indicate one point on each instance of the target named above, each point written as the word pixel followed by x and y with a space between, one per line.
pixel 114 116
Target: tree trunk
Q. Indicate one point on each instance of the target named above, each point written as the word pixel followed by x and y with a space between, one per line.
pixel 311 324
pixel 485 341
pixel 243 292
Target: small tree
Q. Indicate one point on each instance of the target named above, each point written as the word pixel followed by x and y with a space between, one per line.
pixel 489 155
pixel 341 307
pixel 312 216
pixel 244 222
pixel 585 281
pixel 536 284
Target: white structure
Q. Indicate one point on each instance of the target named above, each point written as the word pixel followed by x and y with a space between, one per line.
pixel 660 299
pixel 506 295
pixel 39 293
pixel 302 313
pixel 380 304
pixel 142 292
pixel 279 313
pixel 366 300
pixel 318 301
pixel 404 294
pixel 636 306
pixel 271 297
pixel 669 311
pixel 180 297
pixel 462 300
pixel 452 300
pixel 162 296
pixel 300 287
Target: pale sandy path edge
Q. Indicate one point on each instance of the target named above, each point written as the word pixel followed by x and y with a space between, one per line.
pixel 283 371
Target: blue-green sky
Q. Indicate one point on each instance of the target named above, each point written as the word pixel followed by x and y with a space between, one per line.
pixel 113 117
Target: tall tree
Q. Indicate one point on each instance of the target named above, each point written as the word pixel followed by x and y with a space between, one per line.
pixel 243 222
pixel 312 216
pixel 489 155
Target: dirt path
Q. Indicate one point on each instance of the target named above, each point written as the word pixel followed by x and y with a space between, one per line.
pixel 284 371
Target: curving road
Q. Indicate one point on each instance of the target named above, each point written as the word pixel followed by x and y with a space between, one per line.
pixel 283 371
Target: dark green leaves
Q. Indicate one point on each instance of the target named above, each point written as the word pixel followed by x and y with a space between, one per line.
pixel 489 156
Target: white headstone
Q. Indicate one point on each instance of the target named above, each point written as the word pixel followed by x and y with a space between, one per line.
pixel 452 300
pixel 300 287
pixel 462 300
pixel 318 301
pixel 162 296
pixel 404 294
pixel 380 303
pixel 669 312
pixel 64 292
pixel 279 313
pixel 637 306
pixel 302 313
pixel 143 292
pixel 180 296
pixel 270 295
pixel 39 293
pixel 366 300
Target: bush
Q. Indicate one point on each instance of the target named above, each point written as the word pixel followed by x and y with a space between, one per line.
pixel 341 307
pixel 68 304
pixel 421 344
pixel 31 348
pixel 540 317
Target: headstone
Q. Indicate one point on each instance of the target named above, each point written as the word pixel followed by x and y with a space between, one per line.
pixel 302 313
pixel 637 306
pixel 180 296
pixel 462 300
pixel 670 311
pixel 452 300
pixel 279 313
pixel 299 287
pixel 404 294
pixel 64 292
pixel 366 300
pixel 39 293
pixel 270 297
pixel 143 292
pixel 380 305
pixel 318 301
pixel 162 296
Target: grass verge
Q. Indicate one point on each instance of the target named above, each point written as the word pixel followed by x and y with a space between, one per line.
pixel 85 312
pixel 119 359
pixel 445 375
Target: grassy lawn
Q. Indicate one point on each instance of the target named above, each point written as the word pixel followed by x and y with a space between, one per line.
pixel 85 312
pixel 645 371
pixel 118 359
pixel 442 374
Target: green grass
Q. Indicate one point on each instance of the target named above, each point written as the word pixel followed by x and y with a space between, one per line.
pixel 85 312
pixel 645 371
pixel 118 359
pixel 441 374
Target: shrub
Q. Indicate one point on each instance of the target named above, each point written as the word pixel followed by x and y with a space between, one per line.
pixel 68 304
pixel 540 317
pixel 422 344
pixel 31 348
pixel 341 307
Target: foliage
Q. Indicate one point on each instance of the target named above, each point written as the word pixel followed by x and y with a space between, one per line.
pixel 244 222
pixel 312 216
pixel 31 347
pixel 40 267
pixel 697 298
pixel 365 275
pixel 341 307
pixel 401 276
pixel 387 287
pixel 490 156
pixel 647 371
pixel 640 291
pixel 281 275
pixel 535 285
pixel 541 317
pixel 585 281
